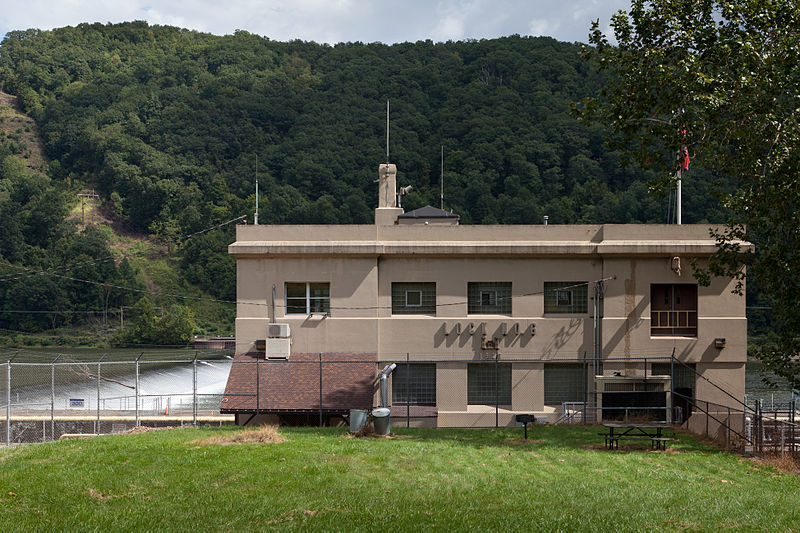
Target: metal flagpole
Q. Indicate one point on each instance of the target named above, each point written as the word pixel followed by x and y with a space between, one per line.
pixel 678 196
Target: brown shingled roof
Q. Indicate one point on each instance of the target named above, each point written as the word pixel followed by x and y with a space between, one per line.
pixel 293 385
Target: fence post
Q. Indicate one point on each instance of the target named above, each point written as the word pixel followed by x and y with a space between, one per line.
pixel 791 428
pixel 194 390
pixel 408 391
pixel 320 390
pixel 497 389
pixel 728 442
pixel 136 393
pixel 53 398
pixel 97 429
pixel 672 387
pixel 759 421
pixel 8 402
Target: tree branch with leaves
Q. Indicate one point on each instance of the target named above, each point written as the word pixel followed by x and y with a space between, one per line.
pixel 723 79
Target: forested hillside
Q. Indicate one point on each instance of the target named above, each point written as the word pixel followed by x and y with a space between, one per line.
pixel 171 127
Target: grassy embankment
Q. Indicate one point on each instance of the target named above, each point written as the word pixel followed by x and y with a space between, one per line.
pixel 560 479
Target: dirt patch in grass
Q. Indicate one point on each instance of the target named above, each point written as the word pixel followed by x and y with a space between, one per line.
pixel 97 495
pixel 523 441
pixel 266 434
pixel 148 429
pixel 368 432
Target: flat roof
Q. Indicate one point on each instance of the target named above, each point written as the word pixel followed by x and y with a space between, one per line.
pixel 491 240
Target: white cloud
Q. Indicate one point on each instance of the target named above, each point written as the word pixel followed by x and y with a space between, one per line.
pixel 329 21
pixel 539 27
pixel 449 28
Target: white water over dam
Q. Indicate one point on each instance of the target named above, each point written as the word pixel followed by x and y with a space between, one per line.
pixel 161 387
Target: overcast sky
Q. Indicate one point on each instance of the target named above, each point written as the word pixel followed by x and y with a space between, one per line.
pixel 329 21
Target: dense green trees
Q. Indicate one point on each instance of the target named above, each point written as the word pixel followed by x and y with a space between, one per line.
pixel 174 327
pixel 172 126
pixel 169 119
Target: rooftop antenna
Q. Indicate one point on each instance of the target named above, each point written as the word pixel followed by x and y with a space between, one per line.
pixel 255 215
pixel 441 181
pixel 387 131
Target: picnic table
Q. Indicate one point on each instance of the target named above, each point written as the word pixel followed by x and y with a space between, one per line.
pixel 654 432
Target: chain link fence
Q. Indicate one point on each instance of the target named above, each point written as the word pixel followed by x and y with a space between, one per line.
pixel 46 395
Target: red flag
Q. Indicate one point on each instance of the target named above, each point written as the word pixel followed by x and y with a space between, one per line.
pixel 685 158
pixel 684 155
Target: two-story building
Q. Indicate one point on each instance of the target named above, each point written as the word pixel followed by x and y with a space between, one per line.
pixel 485 321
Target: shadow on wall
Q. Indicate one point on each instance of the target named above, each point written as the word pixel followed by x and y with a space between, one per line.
pixel 633 321
pixel 471 333
pixel 562 336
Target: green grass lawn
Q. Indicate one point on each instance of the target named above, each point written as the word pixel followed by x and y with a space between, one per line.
pixel 320 479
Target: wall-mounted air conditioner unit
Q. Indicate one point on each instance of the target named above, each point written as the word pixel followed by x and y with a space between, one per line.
pixel 278 348
pixel 279 342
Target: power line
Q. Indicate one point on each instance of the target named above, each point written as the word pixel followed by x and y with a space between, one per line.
pixel 189 236
pixel 55 312
pixel 338 308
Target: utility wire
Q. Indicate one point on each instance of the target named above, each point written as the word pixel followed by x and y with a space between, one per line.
pixel 339 308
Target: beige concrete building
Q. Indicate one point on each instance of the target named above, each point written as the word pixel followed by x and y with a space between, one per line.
pixel 534 312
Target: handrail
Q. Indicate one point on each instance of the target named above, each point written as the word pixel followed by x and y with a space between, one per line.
pixel 670 314
pixel 696 403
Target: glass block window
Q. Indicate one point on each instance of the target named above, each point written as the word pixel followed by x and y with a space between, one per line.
pixel 566 297
pixel 414 383
pixel 487 385
pixel 564 382
pixel 489 297
pixel 414 298
pixel 305 298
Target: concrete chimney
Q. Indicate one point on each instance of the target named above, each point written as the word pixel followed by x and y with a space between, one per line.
pixel 387 211
pixel 387 188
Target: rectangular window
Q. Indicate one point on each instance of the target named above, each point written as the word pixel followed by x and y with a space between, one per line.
pixel 489 383
pixel 489 298
pixel 414 298
pixel 414 384
pixel 307 298
pixel 673 309
pixel 566 297
pixel 564 382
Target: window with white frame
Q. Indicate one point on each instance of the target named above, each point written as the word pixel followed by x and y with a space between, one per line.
pixel 306 298
pixel 489 297
pixel 566 297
